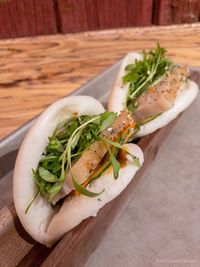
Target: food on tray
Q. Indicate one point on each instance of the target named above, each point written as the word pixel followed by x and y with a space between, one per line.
pixel 153 88
pixel 73 161
pixel 76 157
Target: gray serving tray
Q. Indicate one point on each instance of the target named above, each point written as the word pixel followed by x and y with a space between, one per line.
pixel 80 238
pixel 98 88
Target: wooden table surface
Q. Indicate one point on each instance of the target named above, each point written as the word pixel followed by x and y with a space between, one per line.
pixel 35 72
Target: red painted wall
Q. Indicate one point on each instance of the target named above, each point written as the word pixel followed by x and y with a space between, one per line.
pixel 35 17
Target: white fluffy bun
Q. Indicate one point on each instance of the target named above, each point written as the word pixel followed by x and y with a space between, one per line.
pixel 117 101
pixel 78 208
pixel 39 215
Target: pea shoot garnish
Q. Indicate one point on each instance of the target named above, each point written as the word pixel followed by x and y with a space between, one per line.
pixel 144 73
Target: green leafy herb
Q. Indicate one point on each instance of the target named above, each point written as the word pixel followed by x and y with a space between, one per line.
pixel 107 119
pixel 54 190
pixel 83 190
pixel 54 145
pixel 115 144
pixel 120 146
pixel 114 162
pixel 29 205
pixel 105 167
pixel 137 161
pixel 143 73
pixel 47 175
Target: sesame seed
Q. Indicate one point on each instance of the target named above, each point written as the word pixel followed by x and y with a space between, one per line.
pixel 110 129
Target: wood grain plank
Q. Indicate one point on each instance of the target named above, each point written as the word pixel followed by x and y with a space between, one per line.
pixel 34 72
pixel 26 18
pixel 175 12
pixel 77 245
pixel 17 248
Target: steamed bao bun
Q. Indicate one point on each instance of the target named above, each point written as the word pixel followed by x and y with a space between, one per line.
pixel 43 222
pixel 117 101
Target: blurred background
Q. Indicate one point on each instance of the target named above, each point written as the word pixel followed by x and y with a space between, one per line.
pixel 19 18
